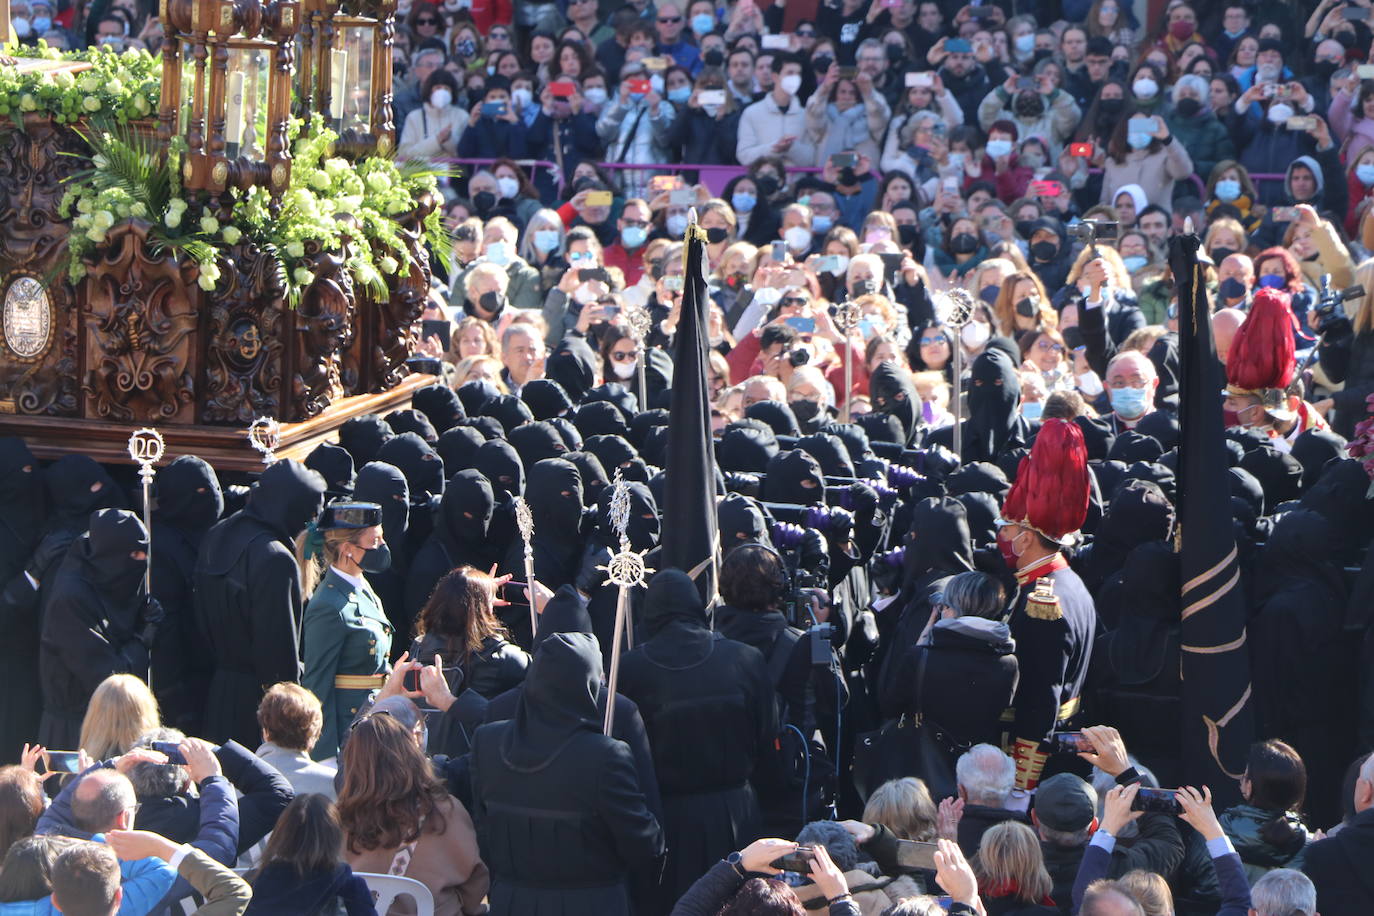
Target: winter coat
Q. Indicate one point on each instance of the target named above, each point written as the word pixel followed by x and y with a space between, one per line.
pixel 859 129
pixel 279 891
pixel 763 124
pixel 1353 133
pixel 1244 825
pixel 420 134
pixel 1205 138
pixel 1339 867
pixel 1155 171
pixel 1054 126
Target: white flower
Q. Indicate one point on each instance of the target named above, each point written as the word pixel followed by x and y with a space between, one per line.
pixel 104 219
pixel 90 103
pixel 388 264
pixel 28 103
pixel 209 225
pixel 89 83
pixel 303 276
pixel 96 235
pixel 84 205
pixel 206 282
pixel 231 234
pixel 177 204
pixel 378 182
pixel 172 219
pixel 137 209
pixel 319 180
pixel 295 249
pixel 142 105
pixel 114 86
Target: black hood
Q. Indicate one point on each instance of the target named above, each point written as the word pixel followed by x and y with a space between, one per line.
pixel 572 364
pixel 1314 449
pixel 363 437
pixel 854 438
pixel 994 394
pixel 978 477
pixel 1279 474
pixel 189 497
pixel 1245 487
pixel 600 418
pixel 412 421
pixel 509 410
pixel 1301 546
pixel 643 527
pixel 1097 437
pixel 489 427
pixel 500 464
pixel 572 439
pixel 1162 426
pixel 1156 473
pixel 458 447
pixel 612 451
pixel 557 702
pixel 645 422
pixel 794 477
pixel 1132 446
pixel 536 441
pixel 937 540
pixel 616 394
pixel 419 462
pixel 441 405
pixel 777 415
pixel 830 452
pixel 894 393
pixel 1139 512
pixel 594 476
pixel 475 394
pixel 740 520
pixel 983 511
pixel 545 398
pixel 287 497
pixel 554 493
pixel 746 447
pixel 105 553
pixel 21 490
pixel 385 485
pixel 335 465
pixel 465 512
pixel 566 612
pixel 69 480
pixel 672 597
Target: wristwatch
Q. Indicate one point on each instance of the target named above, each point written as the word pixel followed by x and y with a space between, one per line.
pixel 737 863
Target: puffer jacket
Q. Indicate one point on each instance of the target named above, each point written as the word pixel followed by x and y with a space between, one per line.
pixel 1244 825
pixel 493 669
pixel 1205 138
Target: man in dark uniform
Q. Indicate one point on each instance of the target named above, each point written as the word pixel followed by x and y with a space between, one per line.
pixel 1054 621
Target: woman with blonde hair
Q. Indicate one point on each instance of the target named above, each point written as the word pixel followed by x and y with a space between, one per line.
pixel 1023 307
pixel 1012 877
pixel 121 710
pixel 472 337
pixel 487 368
pixel 903 806
pixel 1150 890
pixel 985 281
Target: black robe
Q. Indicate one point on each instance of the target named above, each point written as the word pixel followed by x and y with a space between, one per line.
pixel 459 532
pixel 248 598
pixel 560 816
pixel 554 494
pixel 708 707
pixel 21 525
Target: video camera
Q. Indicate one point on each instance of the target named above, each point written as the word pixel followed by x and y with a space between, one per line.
pixel 1091 231
pixel 1330 306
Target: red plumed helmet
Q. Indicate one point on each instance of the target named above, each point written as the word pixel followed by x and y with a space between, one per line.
pixel 1052 487
pixel 1261 354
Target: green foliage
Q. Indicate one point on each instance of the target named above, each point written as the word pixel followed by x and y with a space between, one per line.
pixel 118 87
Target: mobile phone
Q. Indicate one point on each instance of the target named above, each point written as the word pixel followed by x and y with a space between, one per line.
pixel 1283 92
pixel 776 42
pixel 637 87
pixel 711 97
pixel 1159 801
pixel 797 861
pixel 657 64
pixel 892 262
pixel 1301 122
pixel 588 274
pixel 801 323
pixel 1141 124
pixel 844 160
pixel 846 73
pixel 515 592
pixel 1365 71
pixel 919 79
pixel 665 183
pixel 1069 743
pixel 1081 150
pixel 1268 90
pixel 1046 189
pixel 1024 83
pixel 599 198
pixel 62 761
pixel 682 197
pixel 493 109
pixel 1355 14
pixel 891 4
pixel 779 250
pixel 411 680
pixel 828 264
pixel 172 749
pixel 950 185
pixel 610 311
pixel 914 855
pixel 562 89
pixel 437 327
pixel 1285 214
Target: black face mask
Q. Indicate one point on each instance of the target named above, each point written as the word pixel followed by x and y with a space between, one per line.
pixel 1188 107
pixel 1027 307
pixel 767 185
pixel 964 243
pixel 376 559
pixel 713 58
pixel 492 302
pixel 483 201
pixel 716 235
pixel 1110 108
pixel 908 234
pixel 1220 254
pixel 1325 68
pixel 1044 251
pixel 895 53
pixel 863 288
pixel 805 411
pixel 821 64
pixel 1024 228
pixel 847 177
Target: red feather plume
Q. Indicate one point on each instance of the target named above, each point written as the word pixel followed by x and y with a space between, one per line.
pixel 1052 487
pixel 1261 354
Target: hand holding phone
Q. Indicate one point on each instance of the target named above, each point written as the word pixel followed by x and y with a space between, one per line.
pixel 1081 150
pixel 925 79
pixel 66 762
pixel 798 860
pixel 1157 801
pixel 599 198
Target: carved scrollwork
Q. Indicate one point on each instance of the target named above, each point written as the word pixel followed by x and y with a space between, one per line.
pixel 140 322
pixel 395 321
pixel 244 351
pixel 324 329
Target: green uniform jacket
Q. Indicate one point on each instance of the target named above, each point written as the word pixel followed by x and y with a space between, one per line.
pixel 345 632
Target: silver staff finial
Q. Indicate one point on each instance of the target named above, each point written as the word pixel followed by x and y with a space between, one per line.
pixel 264 434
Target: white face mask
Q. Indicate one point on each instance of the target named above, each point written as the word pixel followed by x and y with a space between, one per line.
pixel 1089 383
pixel 595 95
pixel 521 98
pixel 656 83
pixel 584 294
pixel 498 253
pixel 975 334
pixel 440 98
pixel 798 238
pixel 841 266
pixel 790 83
pixel 1279 112
pixel 625 370
pixel 1145 88
pixel 509 186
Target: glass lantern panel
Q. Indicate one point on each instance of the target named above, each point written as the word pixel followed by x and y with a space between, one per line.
pixel 356 42
pixel 188 88
pixel 245 101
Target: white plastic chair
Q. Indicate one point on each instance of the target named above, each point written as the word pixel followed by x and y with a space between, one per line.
pixel 389 887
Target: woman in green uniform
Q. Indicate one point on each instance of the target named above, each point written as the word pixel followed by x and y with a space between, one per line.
pixel 346 634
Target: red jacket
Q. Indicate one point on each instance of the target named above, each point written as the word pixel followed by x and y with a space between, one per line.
pixel 631 265
pixel 487 13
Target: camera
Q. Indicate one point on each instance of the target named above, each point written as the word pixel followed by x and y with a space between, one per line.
pixel 1089 231
pixel 1330 306
pixel 1156 801
pixel 799 356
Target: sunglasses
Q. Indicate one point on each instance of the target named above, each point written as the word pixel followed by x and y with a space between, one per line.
pixel 1050 345
pixel 426 21
pixel 932 341
pixel 669 20
pixel 795 300
pixel 622 356
pixel 806 34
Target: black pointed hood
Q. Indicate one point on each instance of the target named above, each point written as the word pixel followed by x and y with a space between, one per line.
pixel 894 393
pixel 419 462
pixel 566 612
pixel 335 465
pixel 740 520
pixel 600 418
pixel 465 512
pixel 777 415
pixel 440 404
pixel 458 447
pixel 385 485
pixel 672 598
pixel 287 497
pixel 1279 474
pixel 557 703
pixel 830 452
pixel 572 365
pixel 536 441
pixel 794 477
pixel 105 553
pixel 363 437
pixel 545 398
pixel 554 493
pixel 475 394
pixel 612 451
pixel 643 527
pixel 412 421
pixel 937 539
pixel 21 490
pixel 509 410
pixel 572 439
pixel 69 480
pixel 189 498
pixel 1314 448
pixel 994 394
pixel 500 464
pixel 746 446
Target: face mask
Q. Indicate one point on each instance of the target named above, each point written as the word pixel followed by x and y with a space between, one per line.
pixel 1111 107
pixel 676 224
pixel 841 265
pixel 1221 253
pixel 21 26
pixel 821 224
pixel 1145 88
pixel 680 95
pixel 626 370
pixel 1233 35
pixel 1089 383
pixel 1182 30
pixel 1008 550
pixel 1138 139
pixel 440 98
pixel 1278 113
pixel 1044 251
pixel 805 411
pixel 798 238
pixel 584 294
pixel 498 253
pixel 1129 403
pixel 714 58
pixel 492 302
pixel 869 326
pixel 964 243
pixel 975 334
pixel 633 236
pixel 1027 307
pixel 656 83
pixel 1324 69
pixel 999 148
pixel 521 98
pixel 1228 189
pixel 956 160
pixel 715 235
pixel 790 84
pixel 595 96
pixel 466 48
pixel 989 293
pixel 546 240
pixel 1134 262
pixel 1188 106
pixel 768 295
pixel 1032 410
pixel 1032 159
pixel 1272 281
pixel 483 201
pixel 1231 288
pixel 906 234
pixel 509 186
pixel 1025 43
pixel 743 201
pixel 711 110
pixel 703 23
pixel 1365 172
pixel 41 24
pixel 863 288
pixel 376 559
pixel 767 184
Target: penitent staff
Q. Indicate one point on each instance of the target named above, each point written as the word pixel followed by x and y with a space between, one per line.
pixel 847 316
pixel 264 435
pixel 625 570
pixel 955 309
pixel 524 520
pixel 146 447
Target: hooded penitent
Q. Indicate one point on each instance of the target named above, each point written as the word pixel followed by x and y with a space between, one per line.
pixel 994 395
pixel 419 462
pixel 830 452
pixel 458 447
pixel 777 415
pixel 412 421
pixel 746 447
pixel 500 464
pixel 362 437
pixel 545 398
pixel 794 477
pixel 509 410
pixel 441 405
pixel 537 441
pixel 894 393
pixel 557 703
pixel 21 504
pixel 335 465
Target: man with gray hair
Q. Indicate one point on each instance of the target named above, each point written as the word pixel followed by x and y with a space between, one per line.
pixel 1339 865
pixel 985 776
pixel 1107 898
pixel 1283 892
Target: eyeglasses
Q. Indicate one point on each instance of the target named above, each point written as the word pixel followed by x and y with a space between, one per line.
pixel 427 21
pixel 669 20
pixel 1050 345
pixel 622 356
pixel 795 300
pixel 932 341
pixel 806 34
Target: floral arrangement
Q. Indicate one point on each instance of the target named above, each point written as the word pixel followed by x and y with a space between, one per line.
pixel 118 87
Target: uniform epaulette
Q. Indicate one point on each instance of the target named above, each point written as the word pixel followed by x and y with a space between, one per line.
pixel 1043 604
